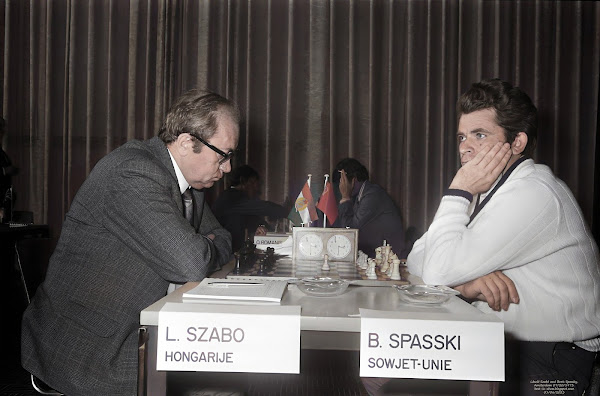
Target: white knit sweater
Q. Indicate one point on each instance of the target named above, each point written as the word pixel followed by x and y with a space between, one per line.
pixel 533 230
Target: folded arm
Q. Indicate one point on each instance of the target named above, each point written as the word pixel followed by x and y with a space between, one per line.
pixel 140 207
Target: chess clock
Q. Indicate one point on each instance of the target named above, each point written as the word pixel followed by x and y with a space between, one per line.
pixel 313 243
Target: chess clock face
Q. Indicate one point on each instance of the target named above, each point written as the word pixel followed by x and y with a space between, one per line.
pixel 339 246
pixel 313 243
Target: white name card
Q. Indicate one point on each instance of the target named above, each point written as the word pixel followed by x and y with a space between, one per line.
pixel 270 239
pixel 393 346
pixel 229 338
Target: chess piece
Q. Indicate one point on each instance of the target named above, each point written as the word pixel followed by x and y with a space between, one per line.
pixel 378 257
pixel 395 270
pixel 371 274
pixel 362 260
pixel 237 269
pixel 248 248
pixel 384 265
pixel 390 269
pixel 325 263
pixel 262 267
pixel 270 256
pixel 387 252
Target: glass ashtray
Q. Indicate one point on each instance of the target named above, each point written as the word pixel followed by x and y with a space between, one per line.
pixel 425 294
pixel 319 286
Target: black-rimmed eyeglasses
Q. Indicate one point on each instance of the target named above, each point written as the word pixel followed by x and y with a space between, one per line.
pixel 225 156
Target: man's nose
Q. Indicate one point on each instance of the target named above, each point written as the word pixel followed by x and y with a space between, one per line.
pixel 465 146
pixel 226 166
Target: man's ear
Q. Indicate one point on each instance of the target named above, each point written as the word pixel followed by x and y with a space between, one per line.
pixel 519 144
pixel 184 144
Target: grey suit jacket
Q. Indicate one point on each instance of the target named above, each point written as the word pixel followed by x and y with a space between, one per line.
pixel 123 240
pixel 377 218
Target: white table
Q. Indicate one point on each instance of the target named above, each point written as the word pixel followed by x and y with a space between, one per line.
pixel 331 323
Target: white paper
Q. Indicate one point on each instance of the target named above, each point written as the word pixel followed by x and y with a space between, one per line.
pixel 228 289
pixel 282 249
pixel 442 348
pixel 202 337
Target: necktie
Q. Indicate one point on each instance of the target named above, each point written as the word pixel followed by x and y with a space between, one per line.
pixel 188 205
pixel 188 211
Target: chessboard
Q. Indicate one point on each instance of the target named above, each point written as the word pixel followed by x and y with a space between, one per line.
pixel 286 268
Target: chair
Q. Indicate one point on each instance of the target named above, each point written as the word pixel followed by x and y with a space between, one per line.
pixel 593 388
pixel 42 388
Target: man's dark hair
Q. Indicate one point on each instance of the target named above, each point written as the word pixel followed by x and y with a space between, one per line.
pixel 515 112
pixel 353 169
pixel 197 112
pixel 242 174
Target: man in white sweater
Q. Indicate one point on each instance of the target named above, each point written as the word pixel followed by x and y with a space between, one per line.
pixel 510 235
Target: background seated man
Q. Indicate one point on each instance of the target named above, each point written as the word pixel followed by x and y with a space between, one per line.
pixel 510 233
pixel 240 210
pixel 124 239
pixel 7 171
pixel 367 207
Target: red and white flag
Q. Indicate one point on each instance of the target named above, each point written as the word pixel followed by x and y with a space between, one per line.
pixel 304 208
pixel 327 203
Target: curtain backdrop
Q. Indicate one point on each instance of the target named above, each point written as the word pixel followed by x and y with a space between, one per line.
pixel 317 81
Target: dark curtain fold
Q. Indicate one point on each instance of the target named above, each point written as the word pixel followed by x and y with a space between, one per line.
pixel 316 80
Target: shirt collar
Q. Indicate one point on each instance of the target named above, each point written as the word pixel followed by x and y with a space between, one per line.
pixel 183 184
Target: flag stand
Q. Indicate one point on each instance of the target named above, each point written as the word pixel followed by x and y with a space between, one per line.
pixel 324 214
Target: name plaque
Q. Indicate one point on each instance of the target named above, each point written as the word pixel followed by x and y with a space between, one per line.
pixel 270 239
pixel 229 338
pixel 396 345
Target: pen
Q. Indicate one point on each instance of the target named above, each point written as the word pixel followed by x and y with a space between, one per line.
pixel 235 284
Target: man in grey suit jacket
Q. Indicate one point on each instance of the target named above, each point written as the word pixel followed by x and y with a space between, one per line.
pixel 368 207
pixel 123 241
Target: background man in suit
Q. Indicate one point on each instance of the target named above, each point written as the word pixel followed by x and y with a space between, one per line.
pixel 124 239
pixel 240 210
pixel 369 208
pixel 7 171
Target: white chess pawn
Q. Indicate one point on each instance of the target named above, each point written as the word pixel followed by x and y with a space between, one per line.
pixel 371 274
pixel 362 264
pixel 395 270
pixel 325 263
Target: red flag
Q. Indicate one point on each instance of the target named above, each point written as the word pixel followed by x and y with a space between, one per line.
pixel 304 208
pixel 327 203
pixel 310 203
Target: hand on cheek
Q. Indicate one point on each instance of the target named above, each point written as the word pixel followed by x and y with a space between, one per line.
pixel 478 175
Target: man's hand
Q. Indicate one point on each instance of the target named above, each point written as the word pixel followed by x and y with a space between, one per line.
pixel 345 186
pixel 497 289
pixel 261 230
pixel 478 175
